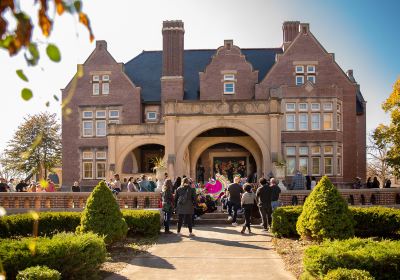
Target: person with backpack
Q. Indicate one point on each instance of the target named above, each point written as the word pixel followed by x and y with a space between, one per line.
pixel 264 197
pixel 185 199
pixel 248 200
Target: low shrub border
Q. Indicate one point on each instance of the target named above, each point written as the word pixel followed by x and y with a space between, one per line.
pixel 49 223
pixel 369 221
pixel 380 258
pixel 348 274
pixel 74 256
pixel 39 273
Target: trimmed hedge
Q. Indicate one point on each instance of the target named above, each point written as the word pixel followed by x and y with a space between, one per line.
pixel 50 223
pixel 284 221
pixel 348 274
pixel 145 222
pixel 369 222
pixel 39 273
pixel 381 259
pixel 74 256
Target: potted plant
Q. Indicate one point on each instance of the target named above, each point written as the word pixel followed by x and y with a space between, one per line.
pixel 280 172
pixel 160 168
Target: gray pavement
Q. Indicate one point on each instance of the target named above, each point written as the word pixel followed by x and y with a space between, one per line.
pixel 216 252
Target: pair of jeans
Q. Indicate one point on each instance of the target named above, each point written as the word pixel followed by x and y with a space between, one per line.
pixel 274 205
pixel 188 221
pixel 167 219
pixel 265 212
pixel 247 215
pixel 233 207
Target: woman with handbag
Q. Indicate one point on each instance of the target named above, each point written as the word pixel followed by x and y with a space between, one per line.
pixel 185 199
pixel 167 203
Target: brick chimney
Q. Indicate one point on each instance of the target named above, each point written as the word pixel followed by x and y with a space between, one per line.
pixel 290 30
pixel 172 71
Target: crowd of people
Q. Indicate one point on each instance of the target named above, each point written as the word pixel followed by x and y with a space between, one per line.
pixel 13 185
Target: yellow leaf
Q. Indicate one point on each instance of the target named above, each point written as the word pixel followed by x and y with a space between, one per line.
pixel 35 215
pixel 59 7
pixel 44 22
pixel 85 21
pixel 32 247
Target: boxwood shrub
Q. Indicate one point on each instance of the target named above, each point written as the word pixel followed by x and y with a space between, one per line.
pixel 38 273
pixel 19 225
pixel 348 274
pixel 145 222
pixel 380 258
pixel 369 221
pixel 74 256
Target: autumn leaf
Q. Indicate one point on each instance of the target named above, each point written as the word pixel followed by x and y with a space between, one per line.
pixel 21 75
pixel 85 21
pixel 59 7
pixel 53 53
pixel 26 94
pixel 44 22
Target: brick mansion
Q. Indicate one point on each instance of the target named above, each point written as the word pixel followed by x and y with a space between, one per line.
pixel 206 111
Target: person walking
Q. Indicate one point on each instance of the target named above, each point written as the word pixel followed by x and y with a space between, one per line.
pixel 298 181
pixel 264 194
pixel 247 201
pixel 234 192
pixel 76 187
pixel 184 200
pixel 276 190
pixel 167 203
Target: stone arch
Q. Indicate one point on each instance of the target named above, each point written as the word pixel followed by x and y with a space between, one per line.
pixel 130 147
pixel 235 140
pixel 257 137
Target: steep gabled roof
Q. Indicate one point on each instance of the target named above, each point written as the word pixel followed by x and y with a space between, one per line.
pixel 145 69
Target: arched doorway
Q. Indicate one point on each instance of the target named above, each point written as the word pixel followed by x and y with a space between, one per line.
pixel 233 150
pixel 141 159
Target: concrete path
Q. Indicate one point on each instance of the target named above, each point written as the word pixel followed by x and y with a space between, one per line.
pixel 216 252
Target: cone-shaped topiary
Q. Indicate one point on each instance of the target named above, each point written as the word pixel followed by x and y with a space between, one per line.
pixel 325 214
pixel 103 216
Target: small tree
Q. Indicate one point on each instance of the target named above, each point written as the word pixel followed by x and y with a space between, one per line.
pixel 325 214
pixel 377 153
pixel 103 216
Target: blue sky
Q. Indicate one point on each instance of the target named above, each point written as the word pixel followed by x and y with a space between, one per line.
pixel 364 35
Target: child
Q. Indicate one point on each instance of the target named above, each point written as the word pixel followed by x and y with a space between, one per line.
pixel 248 200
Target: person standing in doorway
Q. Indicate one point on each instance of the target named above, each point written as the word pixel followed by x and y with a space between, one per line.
pixel 184 200
pixel 276 190
pixel 264 195
pixel 234 192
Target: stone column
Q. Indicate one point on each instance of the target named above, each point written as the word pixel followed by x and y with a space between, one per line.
pixel 170 151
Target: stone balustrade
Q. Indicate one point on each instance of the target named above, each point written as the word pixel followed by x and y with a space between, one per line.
pixel 69 201
pixel 136 129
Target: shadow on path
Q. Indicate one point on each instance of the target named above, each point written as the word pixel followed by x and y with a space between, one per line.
pixel 239 244
pixel 152 261
pixel 228 231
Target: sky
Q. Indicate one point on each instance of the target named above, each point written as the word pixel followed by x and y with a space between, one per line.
pixel 363 34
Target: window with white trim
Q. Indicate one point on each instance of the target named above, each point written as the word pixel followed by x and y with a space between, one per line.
pixel 290 107
pixel 303 165
pixel 299 80
pixel 311 78
pixel 96 78
pixel 315 121
pixel 96 88
pixel 100 170
pixel 105 78
pixel 315 161
pixel 101 114
pixel 87 127
pixel 310 68
pixel 113 121
pixel 101 128
pixel 151 116
pixel 87 155
pixel 339 150
pixel 339 166
pixel 303 107
pixel 105 88
pixel 290 122
pixel 290 151
pixel 328 121
pixel 229 88
pixel 328 150
pixel 315 106
pixel 113 114
pixel 87 114
pixel 303 151
pixel 315 150
pixel 338 107
pixel 338 122
pixel 303 121
pixel 101 155
pixel 229 77
pixel 328 165
pixel 328 106
pixel 87 170
pixel 299 69
pixel 290 165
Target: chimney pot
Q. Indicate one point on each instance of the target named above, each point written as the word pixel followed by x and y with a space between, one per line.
pixel 173 47
pixel 101 44
pixel 290 30
pixel 228 44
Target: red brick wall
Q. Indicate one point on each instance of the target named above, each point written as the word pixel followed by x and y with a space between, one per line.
pixel 211 80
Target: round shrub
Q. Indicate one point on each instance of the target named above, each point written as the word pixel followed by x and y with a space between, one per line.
pixel 103 216
pixel 325 214
pixel 284 221
pixel 39 273
pixel 348 274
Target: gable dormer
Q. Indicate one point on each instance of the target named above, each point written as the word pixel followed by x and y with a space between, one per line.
pixel 228 76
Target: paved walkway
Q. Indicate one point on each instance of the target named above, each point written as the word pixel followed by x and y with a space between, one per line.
pixel 216 252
